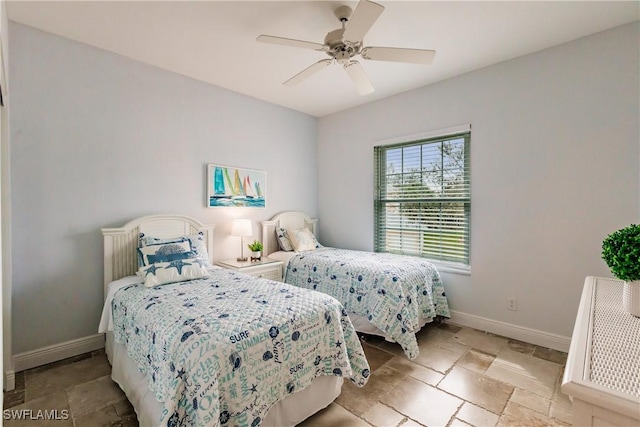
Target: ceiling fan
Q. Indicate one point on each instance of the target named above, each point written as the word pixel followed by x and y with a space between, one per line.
pixel 343 44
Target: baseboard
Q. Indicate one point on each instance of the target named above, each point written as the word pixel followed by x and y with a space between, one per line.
pixel 53 353
pixel 9 380
pixel 533 336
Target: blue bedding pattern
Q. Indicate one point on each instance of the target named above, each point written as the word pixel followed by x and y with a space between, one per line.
pixel 392 291
pixel 221 351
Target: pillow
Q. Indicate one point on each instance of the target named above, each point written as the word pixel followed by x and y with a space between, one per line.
pixel 164 252
pixel 283 240
pixel 169 257
pixel 302 240
pixel 161 273
pixel 196 241
pixel 150 241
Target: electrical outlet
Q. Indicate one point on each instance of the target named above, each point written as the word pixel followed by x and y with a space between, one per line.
pixel 512 304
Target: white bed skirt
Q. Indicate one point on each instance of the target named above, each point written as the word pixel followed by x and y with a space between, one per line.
pixel 287 412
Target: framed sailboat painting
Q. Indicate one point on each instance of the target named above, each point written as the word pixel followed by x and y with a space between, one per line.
pixel 235 187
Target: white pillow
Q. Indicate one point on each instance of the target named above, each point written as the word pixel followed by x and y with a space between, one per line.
pixel 302 240
pixel 165 252
pixel 180 270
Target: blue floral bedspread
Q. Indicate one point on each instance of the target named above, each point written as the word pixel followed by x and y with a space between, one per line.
pixel 392 291
pixel 223 350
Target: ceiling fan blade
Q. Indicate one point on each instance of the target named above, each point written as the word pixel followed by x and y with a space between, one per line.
pixel 398 54
pixel 359 77
pixel 363 18
pixel 307 72
pixel 290 42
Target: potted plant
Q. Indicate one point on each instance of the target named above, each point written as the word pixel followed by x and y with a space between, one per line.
pixel 256 250
pixel 621 252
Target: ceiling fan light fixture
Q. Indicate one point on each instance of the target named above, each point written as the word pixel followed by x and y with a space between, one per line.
pixel 343 57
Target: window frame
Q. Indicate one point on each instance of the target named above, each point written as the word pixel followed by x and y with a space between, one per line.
pixel 380 177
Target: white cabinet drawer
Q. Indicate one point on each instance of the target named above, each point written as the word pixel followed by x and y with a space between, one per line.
pixel 265 268
pixel 270 273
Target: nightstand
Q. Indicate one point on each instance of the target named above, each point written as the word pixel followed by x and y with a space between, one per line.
pixel 265 268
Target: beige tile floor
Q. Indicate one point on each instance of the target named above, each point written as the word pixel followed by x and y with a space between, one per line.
pixel 462 377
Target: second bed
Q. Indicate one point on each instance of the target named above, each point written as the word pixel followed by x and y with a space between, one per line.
pixel 388 295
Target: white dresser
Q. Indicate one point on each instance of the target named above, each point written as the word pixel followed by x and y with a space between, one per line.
pixel 603 367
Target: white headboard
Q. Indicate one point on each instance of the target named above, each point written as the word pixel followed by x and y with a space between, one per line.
pixel 121 244
pixel 289 219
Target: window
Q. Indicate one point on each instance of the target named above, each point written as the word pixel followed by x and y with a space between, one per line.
pixel 423 199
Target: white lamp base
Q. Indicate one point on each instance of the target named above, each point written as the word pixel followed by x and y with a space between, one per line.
pixel 241 258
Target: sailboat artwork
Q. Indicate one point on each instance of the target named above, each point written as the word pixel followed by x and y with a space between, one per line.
pixel 231 186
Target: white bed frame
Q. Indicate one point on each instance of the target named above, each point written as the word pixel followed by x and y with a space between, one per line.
pixel 297 220
pixel 121 260
pixel 121 244
pixel 292 220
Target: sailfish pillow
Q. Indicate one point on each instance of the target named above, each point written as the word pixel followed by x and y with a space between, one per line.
pixel 161 273
pixel 165 253
pixel 196 242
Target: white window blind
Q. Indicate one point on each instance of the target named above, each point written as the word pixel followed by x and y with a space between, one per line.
pixel 423 198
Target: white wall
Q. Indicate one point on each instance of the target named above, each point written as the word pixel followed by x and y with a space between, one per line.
pixel 97 140
pixel 5 225
pixel 554 167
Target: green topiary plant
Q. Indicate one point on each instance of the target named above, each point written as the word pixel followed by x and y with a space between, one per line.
pixel 256 246
pixel 621 252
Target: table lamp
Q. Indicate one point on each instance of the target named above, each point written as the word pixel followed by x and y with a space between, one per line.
pixel 241 228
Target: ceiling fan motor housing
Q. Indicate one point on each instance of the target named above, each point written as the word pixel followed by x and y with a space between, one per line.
pixel 340 49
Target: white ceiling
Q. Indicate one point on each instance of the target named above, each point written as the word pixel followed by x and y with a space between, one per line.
pixel 214 41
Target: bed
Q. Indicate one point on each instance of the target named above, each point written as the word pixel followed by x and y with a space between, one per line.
pixel 392 296
pixel 224 349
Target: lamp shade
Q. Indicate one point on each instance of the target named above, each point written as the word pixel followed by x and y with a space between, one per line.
pixel 241 228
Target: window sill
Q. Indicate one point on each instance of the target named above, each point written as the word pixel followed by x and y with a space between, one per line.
pixel 444 267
